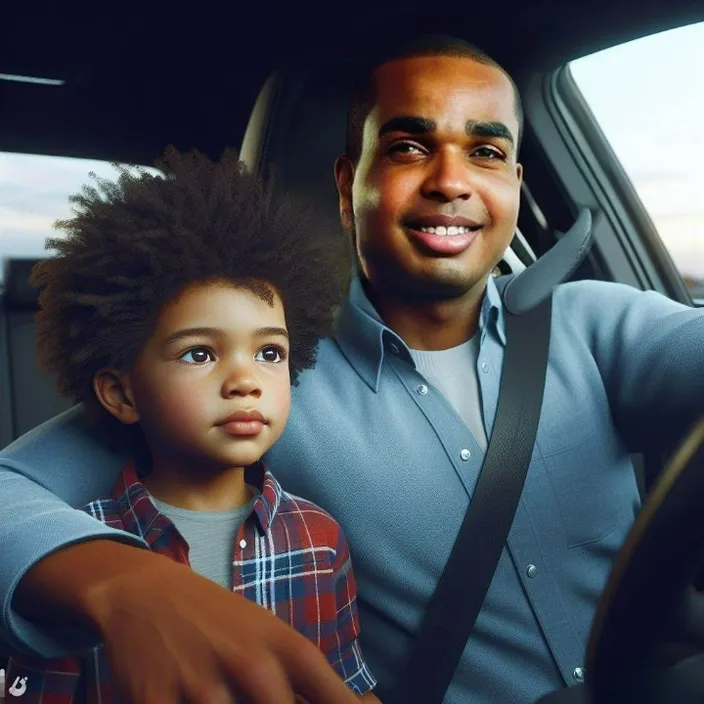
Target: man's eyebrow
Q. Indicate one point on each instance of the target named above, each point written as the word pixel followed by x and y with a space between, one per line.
pixel 409 124
pixel 478 128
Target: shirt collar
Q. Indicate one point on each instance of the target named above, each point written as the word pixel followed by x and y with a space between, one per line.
pixel 364 338
pixel 141 517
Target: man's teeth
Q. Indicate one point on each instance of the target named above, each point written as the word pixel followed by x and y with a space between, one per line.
pixel 447 231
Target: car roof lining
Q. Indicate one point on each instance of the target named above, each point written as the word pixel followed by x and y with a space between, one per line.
pixel 136 81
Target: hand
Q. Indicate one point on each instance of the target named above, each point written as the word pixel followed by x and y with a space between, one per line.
pixel 178 637
pixel 174 637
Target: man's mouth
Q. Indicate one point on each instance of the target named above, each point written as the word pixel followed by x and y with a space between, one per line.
pixel 451 231
pixel 443 235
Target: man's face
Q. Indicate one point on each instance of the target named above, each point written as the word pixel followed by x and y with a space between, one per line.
pixel 212 385
pixel 435 195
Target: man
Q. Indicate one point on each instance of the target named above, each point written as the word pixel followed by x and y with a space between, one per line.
pixel 389 431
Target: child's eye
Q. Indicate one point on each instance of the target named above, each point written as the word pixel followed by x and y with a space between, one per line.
pixel 271 353
pixel 197 355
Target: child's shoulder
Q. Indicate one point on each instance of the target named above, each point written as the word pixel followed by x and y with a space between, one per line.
pixel 296 511
pixel 297 506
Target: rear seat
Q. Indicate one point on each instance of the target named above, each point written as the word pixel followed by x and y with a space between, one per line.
pixel 28 396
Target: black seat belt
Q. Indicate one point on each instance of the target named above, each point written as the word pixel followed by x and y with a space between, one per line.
pixel 453 609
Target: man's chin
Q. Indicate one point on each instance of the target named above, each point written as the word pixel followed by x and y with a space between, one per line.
pixel 426 280
pixel 445 284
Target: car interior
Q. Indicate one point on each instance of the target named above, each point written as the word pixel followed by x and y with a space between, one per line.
pixel 274 83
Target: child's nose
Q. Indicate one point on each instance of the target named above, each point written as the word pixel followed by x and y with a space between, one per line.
pixel 241 381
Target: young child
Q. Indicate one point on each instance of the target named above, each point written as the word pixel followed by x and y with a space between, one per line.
pixel 179 310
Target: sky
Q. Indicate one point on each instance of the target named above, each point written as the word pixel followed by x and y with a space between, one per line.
pixel 647 95
pixel 650 108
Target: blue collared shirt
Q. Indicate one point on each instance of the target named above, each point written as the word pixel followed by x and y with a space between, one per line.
pixel 375 443
pixel 371 441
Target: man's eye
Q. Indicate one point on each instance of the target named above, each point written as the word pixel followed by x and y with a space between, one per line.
pixel 271 353
pixel 404 148
pixel 489 153
pixel 197 355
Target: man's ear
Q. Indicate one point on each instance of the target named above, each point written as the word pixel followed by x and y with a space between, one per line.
pixel 114 392
pixel 344 176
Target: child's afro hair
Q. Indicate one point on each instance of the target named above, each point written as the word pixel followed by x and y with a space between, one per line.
pixel 132 245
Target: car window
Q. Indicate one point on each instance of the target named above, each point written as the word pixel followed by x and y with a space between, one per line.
pixel 34 191
pixel 648 98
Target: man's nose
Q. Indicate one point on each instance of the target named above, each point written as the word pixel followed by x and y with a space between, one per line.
pixel 241 380
pixel 448 178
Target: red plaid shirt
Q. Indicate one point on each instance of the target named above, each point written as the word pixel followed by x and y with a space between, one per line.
pixel 290 557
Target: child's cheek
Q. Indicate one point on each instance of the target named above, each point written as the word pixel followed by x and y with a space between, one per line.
pixel 281 403
pixel 184 406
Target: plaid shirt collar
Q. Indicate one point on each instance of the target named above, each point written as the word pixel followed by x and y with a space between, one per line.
pixel 364 338
pixel 141 516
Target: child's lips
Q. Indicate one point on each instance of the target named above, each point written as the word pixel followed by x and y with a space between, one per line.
pixel 243 423
pixel 242 427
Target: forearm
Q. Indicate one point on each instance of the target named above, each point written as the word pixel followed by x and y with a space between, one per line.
pixel 70 587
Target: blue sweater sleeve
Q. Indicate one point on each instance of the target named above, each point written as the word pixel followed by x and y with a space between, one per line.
pixel 650 352
pixel 43 474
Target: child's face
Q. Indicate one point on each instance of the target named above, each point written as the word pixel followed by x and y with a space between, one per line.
pixel 212 385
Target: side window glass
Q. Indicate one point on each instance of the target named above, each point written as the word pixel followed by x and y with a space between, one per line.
pixel 34 191
pixel 648 98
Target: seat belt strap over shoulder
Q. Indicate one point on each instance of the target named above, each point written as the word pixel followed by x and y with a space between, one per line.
pixel 455 605
pixel 460 593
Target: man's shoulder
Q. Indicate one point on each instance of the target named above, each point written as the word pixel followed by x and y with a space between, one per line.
pixel 321 381
pixel 607 304
pixel 603 303
pixel 590 292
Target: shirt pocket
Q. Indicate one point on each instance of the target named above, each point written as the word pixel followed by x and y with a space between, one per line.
pixel 579 471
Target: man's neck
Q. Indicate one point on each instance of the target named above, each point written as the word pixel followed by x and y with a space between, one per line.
pixel 429 323
pixel 209 490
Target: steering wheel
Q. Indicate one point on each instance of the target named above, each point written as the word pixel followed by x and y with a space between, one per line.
pixel 648 599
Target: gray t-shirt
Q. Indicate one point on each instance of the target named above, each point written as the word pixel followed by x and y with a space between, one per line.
pixel 210 536
pixel 454 373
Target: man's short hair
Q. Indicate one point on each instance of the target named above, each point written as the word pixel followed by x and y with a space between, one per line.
pixel 133 245
pixel 363 98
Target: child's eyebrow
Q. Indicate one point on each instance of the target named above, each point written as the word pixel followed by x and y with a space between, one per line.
pixel 217 332
pixel 193 332
pixel 264 332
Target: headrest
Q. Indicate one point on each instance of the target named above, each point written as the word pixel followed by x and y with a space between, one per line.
pixel 297 129
pixel 17 293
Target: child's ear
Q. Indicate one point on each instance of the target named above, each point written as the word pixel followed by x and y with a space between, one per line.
pixel 114 392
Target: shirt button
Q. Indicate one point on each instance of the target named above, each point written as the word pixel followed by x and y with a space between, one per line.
pixel 531 571
pixel 579 674
pixel 485 367
pixel 243 544
pixel 422 389
pixel 465 454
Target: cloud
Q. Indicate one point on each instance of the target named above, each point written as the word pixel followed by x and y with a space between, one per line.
pixel 34 193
